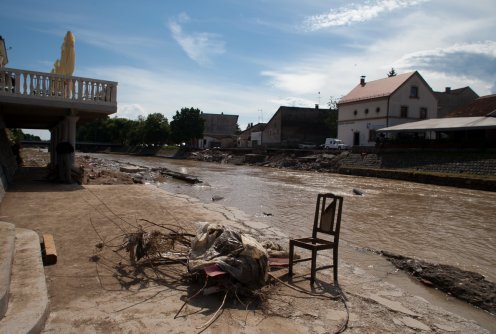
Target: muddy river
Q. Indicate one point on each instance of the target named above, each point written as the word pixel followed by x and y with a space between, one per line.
pixel 435 223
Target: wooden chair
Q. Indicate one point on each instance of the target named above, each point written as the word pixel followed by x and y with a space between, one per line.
pixel 327 220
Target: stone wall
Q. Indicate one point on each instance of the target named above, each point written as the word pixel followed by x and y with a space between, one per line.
pixel 475 170
pixel 463 163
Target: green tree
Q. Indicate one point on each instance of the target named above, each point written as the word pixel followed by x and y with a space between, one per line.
pixel 186 125
pixel 16 135
pixel 156 130
pixel 391 73
pixel 332 123
pixel 333 102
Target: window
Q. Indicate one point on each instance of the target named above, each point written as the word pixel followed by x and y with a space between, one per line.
pixel 414 92
pixel 423 113
pixel 355 112
pixel 404 112
pixel 366 111
pixel 372 135
pixel 378 109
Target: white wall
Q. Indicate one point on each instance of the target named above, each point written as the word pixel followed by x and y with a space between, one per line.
pixel 363 121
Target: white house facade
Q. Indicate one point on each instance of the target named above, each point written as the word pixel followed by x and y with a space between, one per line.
pixel 382 103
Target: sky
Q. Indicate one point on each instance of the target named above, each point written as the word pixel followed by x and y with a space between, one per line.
pixel 247 58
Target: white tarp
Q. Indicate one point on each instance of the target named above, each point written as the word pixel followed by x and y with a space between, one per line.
pixel 445 124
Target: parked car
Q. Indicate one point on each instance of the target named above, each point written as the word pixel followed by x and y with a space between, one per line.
pixel 307 145
pixel 334 143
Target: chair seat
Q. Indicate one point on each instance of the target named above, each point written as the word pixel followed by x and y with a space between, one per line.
pixel 313 243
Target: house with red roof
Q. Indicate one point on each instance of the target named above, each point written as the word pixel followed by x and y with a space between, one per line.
pixel 377 104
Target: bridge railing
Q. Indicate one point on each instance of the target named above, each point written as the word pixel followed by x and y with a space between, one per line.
pixel 49 86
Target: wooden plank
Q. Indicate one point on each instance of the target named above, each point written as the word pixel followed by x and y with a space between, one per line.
pixel 49 250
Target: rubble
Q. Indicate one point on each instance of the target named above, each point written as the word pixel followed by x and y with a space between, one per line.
pixel 465 285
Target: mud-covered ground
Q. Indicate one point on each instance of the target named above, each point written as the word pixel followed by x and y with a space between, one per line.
pixel 375 307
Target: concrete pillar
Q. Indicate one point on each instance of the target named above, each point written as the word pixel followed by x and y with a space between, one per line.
pixel 71 129
pixel 53 144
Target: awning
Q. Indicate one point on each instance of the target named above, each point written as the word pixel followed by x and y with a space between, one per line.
pixel 445 124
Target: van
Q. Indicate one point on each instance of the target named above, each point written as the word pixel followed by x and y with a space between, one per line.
pixel 334 143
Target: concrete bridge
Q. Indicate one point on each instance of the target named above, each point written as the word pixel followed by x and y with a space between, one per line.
pixel 38 100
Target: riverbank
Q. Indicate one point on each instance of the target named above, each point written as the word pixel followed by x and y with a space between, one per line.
pixel 463 169
pixel 93 289
pixel 375 306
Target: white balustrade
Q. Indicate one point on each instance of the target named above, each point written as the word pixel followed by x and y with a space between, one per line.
pixel 49 86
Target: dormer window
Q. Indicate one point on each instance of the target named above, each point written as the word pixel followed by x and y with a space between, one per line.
pixel 414 92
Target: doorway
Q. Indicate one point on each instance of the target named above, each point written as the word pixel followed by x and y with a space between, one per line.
pixel 356 138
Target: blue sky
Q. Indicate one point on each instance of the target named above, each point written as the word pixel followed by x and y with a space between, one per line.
pixel 249 57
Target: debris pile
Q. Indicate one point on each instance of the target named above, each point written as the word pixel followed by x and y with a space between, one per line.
pixel 219 259
pixel 237 254
pixel 465 285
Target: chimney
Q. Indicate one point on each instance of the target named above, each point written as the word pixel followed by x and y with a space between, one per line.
pixel 447 90
pixel 362 80
pixel 316 106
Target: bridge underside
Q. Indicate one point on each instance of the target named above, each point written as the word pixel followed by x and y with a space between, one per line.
pixel 59 117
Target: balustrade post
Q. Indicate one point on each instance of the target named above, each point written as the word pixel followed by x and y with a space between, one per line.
pixel 113 98
pixel 80 89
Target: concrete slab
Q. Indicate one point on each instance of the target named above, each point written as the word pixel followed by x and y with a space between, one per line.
pixel 7 242
pixel 28 305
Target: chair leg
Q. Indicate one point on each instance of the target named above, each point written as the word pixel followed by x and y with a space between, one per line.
pixel 314 267
pixel 291 254
pixel 335 264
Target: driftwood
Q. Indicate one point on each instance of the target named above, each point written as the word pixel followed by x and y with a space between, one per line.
pixel 465 285
pixel 180 176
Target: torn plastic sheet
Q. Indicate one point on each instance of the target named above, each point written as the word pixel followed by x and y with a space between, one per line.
pixel 240 255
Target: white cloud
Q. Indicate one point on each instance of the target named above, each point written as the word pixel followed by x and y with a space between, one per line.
pixel 199 46
pixel 356 13
pixel 141 92
pixel 465 64
pixel 296 82
pixel 130 110
pixel 485 48
pixel 292 101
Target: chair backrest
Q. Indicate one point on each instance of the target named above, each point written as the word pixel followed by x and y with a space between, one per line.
pixel 328 215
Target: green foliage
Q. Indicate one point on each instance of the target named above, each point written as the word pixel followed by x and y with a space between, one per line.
pixel 332 123
pixel 154 130
pixel 391 73
pixel 28 136
pixel 16 135
pixel 186 125
pixel 333 102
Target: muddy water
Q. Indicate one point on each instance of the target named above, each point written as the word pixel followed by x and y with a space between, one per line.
pixel 438 224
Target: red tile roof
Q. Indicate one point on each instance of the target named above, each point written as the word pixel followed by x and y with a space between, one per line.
pixel 377 88
pixel 482 106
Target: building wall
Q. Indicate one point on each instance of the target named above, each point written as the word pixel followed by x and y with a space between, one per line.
pixel 272 131
pixel 220 124
pixel 256 139
pixel 426 99
pixel 301 125
pixel 449 101
pixel 362 121
pixel 293 125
